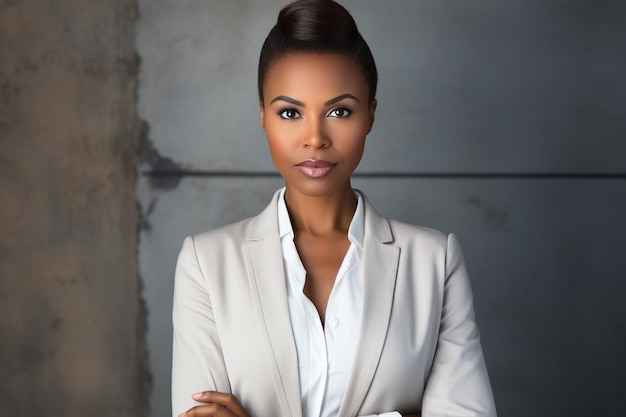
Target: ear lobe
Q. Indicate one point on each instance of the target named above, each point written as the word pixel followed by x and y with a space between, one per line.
pixel 262 114
pixel 373 113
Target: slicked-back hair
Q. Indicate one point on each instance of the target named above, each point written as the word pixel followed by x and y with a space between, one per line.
pixel 316 26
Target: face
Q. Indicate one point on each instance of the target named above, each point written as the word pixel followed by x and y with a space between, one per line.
pixel 316 114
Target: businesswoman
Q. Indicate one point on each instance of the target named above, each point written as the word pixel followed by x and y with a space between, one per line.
pixel 319 306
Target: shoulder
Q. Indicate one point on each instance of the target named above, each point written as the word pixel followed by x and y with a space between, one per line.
pixel 234 232
pixel 234 235
pixel 399 232
pixel 429 253
pixel 423 242
pixel 214 247
pixel 404 232
pixel 415 241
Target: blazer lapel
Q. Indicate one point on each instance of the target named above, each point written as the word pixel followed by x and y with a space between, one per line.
pixel 266 275
pixel 380 266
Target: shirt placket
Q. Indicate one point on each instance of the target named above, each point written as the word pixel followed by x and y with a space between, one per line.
pixel 319 357
pixel 322 339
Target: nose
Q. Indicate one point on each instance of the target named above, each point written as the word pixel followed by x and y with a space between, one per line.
pixel 316 136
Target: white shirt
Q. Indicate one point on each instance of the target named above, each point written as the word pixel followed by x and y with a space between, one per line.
pixel 325 353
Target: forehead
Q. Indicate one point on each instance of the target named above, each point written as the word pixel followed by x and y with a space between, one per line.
pixel 310 74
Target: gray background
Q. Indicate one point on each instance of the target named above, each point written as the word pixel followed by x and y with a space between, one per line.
pixel 504 122
pixel 481 87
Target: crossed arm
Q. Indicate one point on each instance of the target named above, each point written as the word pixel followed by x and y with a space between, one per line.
pixel 458 378
pixel 219 404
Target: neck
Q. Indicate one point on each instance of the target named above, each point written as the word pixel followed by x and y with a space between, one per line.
pixel 321 215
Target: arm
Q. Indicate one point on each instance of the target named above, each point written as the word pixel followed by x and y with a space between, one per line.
pixel 197 361
pixel 458 384
pixel 218 404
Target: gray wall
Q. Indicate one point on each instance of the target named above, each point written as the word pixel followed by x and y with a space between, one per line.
pixel 494 120
pixel 501 121
pixel 70 313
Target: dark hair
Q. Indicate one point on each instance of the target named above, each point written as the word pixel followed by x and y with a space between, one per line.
pixel 316 26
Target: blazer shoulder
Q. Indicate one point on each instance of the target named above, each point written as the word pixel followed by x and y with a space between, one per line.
pixel 410 233
pixel 215 241
pixel 234 230
pixel 229 239
pixel 428 243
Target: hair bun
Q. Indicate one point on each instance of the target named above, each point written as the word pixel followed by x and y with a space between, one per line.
pixel 317 21
pixel 316 26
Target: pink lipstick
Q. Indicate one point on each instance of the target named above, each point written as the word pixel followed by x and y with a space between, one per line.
pixel 315 169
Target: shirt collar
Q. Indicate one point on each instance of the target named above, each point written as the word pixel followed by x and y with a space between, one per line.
pixel 355 231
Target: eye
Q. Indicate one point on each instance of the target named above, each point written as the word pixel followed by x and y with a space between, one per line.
pixel 289 114
pixel 340 112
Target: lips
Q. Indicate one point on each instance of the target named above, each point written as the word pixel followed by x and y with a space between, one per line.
pixel 315 168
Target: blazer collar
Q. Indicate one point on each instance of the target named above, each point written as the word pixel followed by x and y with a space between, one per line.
pixel 266 274
pixel 265 224
pixel 380 267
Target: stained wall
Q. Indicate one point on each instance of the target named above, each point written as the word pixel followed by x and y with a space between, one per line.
pixel 71 332
pixel 499 121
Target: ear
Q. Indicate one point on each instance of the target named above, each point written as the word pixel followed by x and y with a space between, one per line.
pixel 262 114
pixel 373 105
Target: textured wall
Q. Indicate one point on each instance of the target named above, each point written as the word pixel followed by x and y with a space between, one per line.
pixel 500 121
pixel 70 313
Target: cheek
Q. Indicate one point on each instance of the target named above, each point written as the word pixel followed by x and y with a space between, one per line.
pixel 271 132
pixel 353 137
pixel 279 142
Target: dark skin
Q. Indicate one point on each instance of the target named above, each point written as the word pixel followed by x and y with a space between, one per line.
pixel 321 252
pixel 316 107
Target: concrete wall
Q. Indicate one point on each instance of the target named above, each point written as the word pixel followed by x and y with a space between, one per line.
pixel 500 121
pixel 494 120
pixel 70 312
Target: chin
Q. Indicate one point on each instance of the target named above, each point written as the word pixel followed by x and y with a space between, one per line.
pixel 318 187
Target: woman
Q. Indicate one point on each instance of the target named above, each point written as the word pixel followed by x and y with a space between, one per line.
pixel 319 306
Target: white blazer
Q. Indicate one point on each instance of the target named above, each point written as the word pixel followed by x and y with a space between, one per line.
pixel 419 347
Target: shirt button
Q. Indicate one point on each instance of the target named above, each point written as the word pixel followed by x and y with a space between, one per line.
pixel 333 322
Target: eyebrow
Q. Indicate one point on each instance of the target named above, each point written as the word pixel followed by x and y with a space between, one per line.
pixel 288 100
pixel 328 103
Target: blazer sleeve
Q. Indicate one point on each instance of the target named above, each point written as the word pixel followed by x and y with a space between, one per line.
pixel 197 360
pixel 458 384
